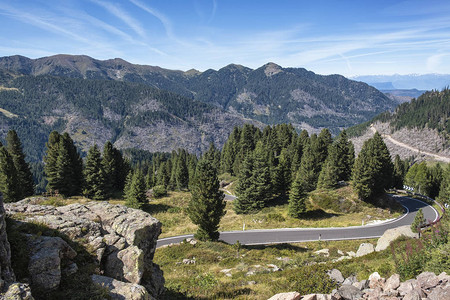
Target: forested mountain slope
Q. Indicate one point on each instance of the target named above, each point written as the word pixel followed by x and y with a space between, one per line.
pixel 423 124
pixel 270 94
pixel 93 111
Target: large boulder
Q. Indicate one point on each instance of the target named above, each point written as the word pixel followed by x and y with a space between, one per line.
pixel 119 290
pixel 364 249
pixel 48 256
pixel 124 239
pixel 391 235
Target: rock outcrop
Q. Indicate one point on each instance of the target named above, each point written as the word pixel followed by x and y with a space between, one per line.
pixel 120 290
pixel 12 290
pixel 392 234
pixel 122 239
pixel 427 285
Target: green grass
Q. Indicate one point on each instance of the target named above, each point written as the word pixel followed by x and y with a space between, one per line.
pixel 337 208
pixel 300 271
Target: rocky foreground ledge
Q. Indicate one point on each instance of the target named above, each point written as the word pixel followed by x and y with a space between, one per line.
pixel 122 239
pixel 427 286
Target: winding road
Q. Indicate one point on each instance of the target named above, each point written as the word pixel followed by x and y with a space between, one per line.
pixel 398 143
pixel 296 235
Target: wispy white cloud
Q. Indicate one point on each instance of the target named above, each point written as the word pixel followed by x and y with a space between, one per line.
pixel 118 12
pixel 160 16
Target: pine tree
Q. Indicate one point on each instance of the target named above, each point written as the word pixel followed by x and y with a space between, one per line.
pixel 345 156
pixel 399 172
pixel 135 191
pixel 419 221
pixel 297 198
pixel 50 160
pixel 329 177
pixel 109 166
pixel 25 183
pixel 94 176
pixel 76 165
pixel 213 155
pixel 444 191
pixel 181 171
pixel 64 170
pixel 309 169
pixel 261 174
pixel 247 200
pixel 207 206
pixel 8 177
pixel 373 169
pixel 162 177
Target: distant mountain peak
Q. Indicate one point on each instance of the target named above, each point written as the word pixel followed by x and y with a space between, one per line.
pixel 271 69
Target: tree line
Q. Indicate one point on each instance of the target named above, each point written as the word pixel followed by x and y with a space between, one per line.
pixel 272 165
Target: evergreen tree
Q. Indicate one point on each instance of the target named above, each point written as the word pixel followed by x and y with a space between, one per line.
pixel 181 171
pixel 109 165
pixel 436 174
pixel 25 183
pixel 373 169
pixel 135 192
pixel 281 174
pixel 419 221
pixel 229 151
pixel 213 155
pixel 76 165
pixel 207 206
pixel 162 177
pixel 247 200
pixel 64 170
pixel 8 177
pixel 344 156
pixel 400 169
pixel 309 169
pixel 320 148
pixel 297 197
pixel 444 191
pixel 261 174
pixel 94 176
pixel 50 160
pixel 422 179
pixel 329 177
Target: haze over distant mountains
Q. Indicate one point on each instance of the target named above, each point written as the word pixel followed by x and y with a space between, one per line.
pixel 412 81
pixel 158 109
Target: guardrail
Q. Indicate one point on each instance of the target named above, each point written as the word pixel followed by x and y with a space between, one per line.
pixel 424 198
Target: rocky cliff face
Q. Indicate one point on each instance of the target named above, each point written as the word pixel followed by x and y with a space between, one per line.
pixel 122 239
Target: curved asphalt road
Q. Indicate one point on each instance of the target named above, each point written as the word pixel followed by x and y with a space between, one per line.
pixel 295 235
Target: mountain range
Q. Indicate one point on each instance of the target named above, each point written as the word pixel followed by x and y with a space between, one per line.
pixel 157 109
pixel 425 82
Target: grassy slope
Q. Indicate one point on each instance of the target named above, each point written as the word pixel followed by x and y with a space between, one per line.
pixel 337 208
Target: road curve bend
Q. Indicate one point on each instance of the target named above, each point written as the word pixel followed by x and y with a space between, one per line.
pixel 296 235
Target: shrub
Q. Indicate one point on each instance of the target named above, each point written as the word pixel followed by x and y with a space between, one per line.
pixel 159 191
pixel 275 217
pixel 411 261
pixel 439 259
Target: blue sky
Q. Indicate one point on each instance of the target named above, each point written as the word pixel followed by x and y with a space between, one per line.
pixel 327 37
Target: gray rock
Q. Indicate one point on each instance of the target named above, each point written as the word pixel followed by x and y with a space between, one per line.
pixel 286 296
pixel 392 283
pixel 412 295
pixel 274 268
pixel 325 252
pixel 440 293
pixel 350 280
pixel 351 254
pixel 124 239
pixel 376 281
pixel 18 291
pixel 119 290
pixel 361 285
pixel 427 280
pixel 336 275
pixel 364 249
pixel 408 286
pixel 392 234
pixel 349 292
pixel 47 256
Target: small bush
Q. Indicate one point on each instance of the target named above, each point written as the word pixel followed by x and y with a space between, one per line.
pixel 159 191
pixel 439 259
pixel 275 217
